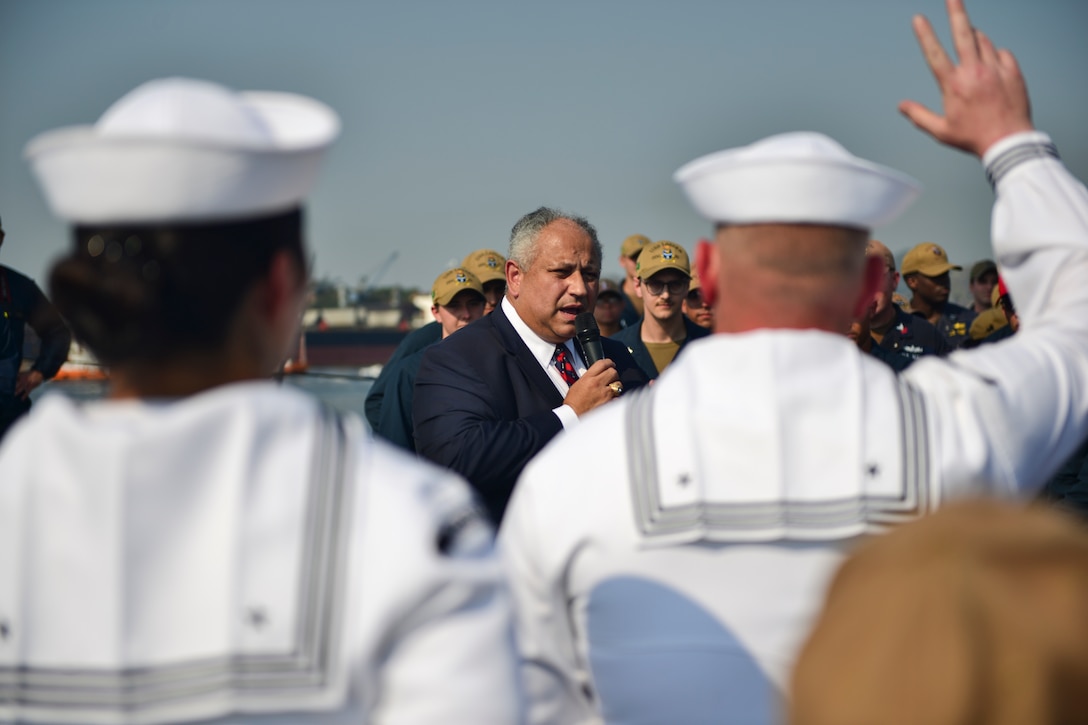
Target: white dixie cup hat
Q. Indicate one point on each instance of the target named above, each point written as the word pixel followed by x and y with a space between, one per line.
pixel 795 178
pixel 178 149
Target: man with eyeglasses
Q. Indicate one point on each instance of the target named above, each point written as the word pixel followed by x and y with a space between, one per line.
pixel 662 282
pixel 893 329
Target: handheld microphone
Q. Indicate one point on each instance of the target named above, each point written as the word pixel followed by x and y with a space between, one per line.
pixel 589 337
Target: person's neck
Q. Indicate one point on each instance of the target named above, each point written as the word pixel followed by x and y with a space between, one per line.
pixel 178 378
pixel 738 315
pixel 929 310
pixel 980 308
pixel 669 330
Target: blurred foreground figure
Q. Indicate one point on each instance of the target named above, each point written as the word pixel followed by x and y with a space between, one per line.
pixel 976 614
pixel 206 545
pixel 675 580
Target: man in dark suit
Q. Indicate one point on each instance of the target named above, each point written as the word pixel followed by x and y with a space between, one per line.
pixel 490 397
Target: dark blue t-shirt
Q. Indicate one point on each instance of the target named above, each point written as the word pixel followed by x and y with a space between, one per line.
pixel 913 337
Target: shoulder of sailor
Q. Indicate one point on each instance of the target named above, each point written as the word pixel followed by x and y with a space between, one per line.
pixel 567 496
pixel 567 472
pixel 405 492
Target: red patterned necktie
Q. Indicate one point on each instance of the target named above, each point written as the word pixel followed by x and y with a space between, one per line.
pixel 562 364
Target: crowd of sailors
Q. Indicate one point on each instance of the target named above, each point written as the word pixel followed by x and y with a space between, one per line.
pixel 745 484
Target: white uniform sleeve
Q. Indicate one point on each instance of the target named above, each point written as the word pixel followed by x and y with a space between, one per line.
pixel 1005 416
pixel 449 654
pixel 555 685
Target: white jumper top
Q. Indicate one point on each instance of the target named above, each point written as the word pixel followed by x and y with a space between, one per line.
pixel 672 573
pixel 235 556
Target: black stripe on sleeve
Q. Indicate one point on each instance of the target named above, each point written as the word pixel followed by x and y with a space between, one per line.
pixel 1010 159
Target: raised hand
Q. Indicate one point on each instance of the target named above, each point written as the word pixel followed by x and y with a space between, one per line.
pixel 984 97
pixel 594 388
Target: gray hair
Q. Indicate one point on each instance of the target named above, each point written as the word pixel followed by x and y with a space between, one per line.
pixel 525 232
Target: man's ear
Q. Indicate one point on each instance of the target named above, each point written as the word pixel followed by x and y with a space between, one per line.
pixel 870 284
pixel 514 277
pixel 434 311
pixel 274 310
pixel 282 283
pixel 706 266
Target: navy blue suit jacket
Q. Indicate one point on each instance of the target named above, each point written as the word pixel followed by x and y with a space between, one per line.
pixel 483 405
pixel 416 340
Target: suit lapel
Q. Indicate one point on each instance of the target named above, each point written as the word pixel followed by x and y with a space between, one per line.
pixel 514 345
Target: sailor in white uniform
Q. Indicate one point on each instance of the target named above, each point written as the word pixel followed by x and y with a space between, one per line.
pixel 677 586
pixel 208 545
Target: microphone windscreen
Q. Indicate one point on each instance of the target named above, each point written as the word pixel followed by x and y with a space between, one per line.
pixel 588 335
pixel 586 324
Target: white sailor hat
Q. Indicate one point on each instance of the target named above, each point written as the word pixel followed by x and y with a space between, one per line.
pixel 178 149
pixel 798 178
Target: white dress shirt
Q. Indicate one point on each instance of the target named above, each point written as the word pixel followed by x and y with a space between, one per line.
pixel 544 352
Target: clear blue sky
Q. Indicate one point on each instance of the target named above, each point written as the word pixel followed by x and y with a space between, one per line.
pixel 461 116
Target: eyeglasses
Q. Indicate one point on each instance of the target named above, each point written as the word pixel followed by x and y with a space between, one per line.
pixel 676 287
pixel 609 300
pixel 695 298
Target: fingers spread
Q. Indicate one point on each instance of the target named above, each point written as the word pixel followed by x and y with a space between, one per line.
pixel 937 59
pixel 963 35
